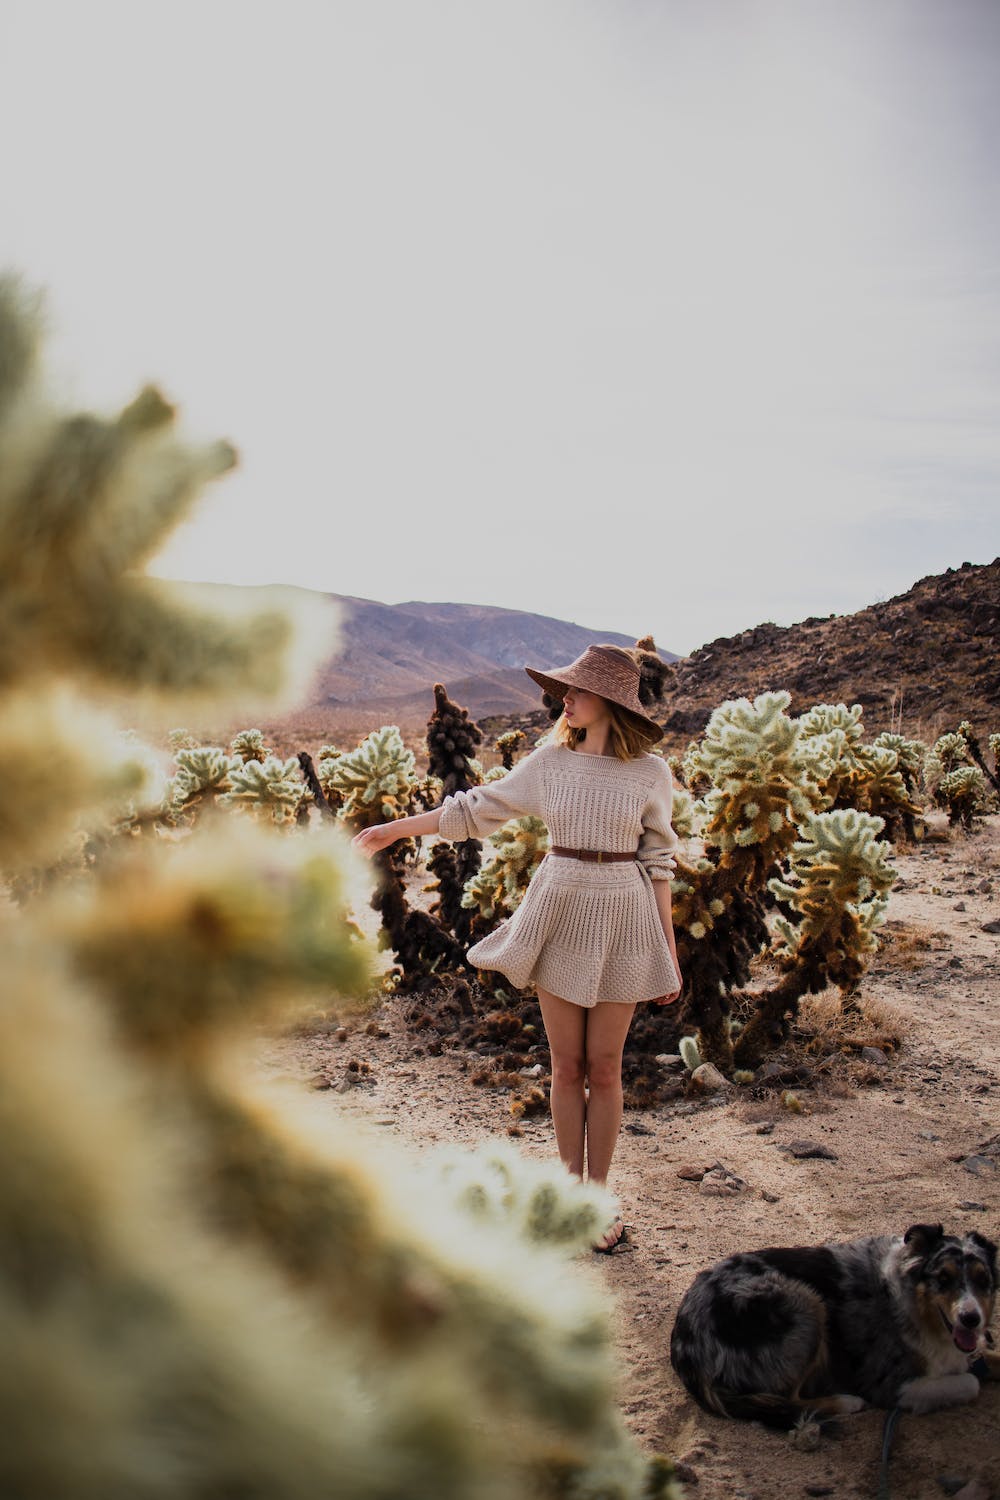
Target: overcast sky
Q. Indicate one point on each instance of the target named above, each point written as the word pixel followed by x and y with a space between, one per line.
pixel 669 315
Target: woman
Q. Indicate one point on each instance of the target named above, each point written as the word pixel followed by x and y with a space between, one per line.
pixel 593 935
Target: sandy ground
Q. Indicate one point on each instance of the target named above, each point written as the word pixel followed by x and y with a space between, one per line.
pixel 899 1145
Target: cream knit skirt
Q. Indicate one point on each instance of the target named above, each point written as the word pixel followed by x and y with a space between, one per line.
pixel 585 932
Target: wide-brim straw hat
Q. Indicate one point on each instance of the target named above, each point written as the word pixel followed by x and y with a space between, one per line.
pixel 609 671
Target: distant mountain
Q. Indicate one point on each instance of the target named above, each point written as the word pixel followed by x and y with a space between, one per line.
pixel 392 654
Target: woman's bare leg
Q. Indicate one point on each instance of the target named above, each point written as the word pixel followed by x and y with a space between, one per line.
pixel 565 1027
pixel 607 1028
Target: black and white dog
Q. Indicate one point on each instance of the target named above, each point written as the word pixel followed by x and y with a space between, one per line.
pixel 886 1321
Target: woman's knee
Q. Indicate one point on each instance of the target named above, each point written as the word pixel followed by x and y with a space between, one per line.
pixel 604 1071
pixel 569 1069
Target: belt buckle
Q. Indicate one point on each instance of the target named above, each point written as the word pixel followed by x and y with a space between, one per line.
pixel 600 856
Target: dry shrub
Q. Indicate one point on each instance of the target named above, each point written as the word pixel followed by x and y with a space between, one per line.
pixel 825 1028
pixel 906 943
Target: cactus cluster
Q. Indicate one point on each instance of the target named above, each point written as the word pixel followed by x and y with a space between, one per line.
pixel 272 789
pixel 375 782
pixel 202 1292
pixel 775 825
pixel 958 777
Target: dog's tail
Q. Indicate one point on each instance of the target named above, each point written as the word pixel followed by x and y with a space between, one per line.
pixel 758 1406
pixel 777 1411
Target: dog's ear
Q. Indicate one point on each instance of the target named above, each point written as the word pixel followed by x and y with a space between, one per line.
pixel 987 1247
pixel 923 1238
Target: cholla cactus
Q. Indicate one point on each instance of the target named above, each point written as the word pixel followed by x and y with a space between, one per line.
pixel 63 770
pixel 759 788
pixel 273 789
pixel 851 773
pixel 202 777
pixel 500 886
pixel 947 753
pixel 508 744
pixel 839 883
pixel 452 738
pixel 688 815
pixel 975 750
pixel 910 756
pixel 376 781
pixel 249 745
pixel 202 1293
pixel 966 794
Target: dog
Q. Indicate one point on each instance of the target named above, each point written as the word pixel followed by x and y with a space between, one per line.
pixel 772 1335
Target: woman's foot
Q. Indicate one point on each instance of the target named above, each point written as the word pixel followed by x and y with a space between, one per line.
pixel 611 1238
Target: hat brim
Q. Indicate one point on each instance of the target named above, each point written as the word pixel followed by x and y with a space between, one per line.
pixel 556 688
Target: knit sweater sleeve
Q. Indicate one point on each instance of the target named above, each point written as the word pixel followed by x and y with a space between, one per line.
pixel 483 809
pixel 658 840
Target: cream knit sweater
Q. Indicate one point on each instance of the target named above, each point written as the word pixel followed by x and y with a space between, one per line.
pixel 585 932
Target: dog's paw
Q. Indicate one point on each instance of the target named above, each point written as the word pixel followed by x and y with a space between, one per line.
pixel 931 1393
pixel 847 1405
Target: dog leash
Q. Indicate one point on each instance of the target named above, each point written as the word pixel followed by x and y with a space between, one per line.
pixel 887 1435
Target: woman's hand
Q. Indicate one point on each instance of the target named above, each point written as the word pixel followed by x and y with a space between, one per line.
pixel 672 995
pixel 370 840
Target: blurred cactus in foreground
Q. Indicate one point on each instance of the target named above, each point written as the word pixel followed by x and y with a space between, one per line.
pixel 206 1289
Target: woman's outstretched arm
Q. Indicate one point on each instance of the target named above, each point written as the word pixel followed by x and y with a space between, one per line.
pixel 381 835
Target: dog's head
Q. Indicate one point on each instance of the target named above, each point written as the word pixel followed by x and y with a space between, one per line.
pixel 953 1280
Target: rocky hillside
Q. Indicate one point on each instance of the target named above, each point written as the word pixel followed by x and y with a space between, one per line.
pixel 923 661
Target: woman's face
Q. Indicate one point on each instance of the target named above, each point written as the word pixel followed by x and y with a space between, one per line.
pixel 583 710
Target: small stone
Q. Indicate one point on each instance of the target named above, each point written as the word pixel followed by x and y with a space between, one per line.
pixel 971 1206
pixel 803 1149
pixel 767 1128
pixel 691 1173
pixel 993 926
pixel 719 1182
pixel 954 963
pixel 928 1135
pixel 979 1166
pixel 669 1060
pixel 985 886
pixel 959 906
pixel 770 1197
pixel 708 1078
pixel 874 1055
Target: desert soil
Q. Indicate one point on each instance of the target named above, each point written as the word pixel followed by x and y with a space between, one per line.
pixel 901 1136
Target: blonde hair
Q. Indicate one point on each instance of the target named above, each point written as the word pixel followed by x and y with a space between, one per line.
pixel 626 739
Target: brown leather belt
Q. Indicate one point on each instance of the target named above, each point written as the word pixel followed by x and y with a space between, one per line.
pixel 592 856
